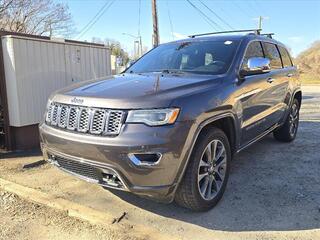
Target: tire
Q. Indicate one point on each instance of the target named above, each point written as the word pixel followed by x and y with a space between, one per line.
pixel 191 192
pixel 288 131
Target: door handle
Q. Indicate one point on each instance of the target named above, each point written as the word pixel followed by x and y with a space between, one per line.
pixel 270 80
pixel 289 75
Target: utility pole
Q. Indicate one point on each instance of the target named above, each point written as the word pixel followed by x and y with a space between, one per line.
pixel 155 36
pixel 260 22
pixel 260 19
pixel 50 29
pixel 137 44
pixel 140 46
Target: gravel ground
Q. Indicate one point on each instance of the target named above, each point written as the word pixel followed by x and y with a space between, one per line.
pixel 273 190
pixel 21 219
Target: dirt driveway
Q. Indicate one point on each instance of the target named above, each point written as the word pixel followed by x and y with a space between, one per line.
pixel 273 190
pixel 22 219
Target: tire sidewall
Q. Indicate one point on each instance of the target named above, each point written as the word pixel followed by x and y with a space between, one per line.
pixel 216 134
pixel 295 101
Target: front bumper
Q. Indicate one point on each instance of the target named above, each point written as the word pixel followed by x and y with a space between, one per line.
pixel 157 181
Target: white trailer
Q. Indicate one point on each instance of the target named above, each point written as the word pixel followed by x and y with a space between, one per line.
pixel 31 68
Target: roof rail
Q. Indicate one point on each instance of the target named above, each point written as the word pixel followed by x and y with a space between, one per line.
pixel 269 35
pixel 256 31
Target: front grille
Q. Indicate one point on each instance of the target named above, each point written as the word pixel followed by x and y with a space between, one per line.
pixel 84 119
pixel 81 169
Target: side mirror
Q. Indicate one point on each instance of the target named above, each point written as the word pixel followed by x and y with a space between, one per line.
pixel 256 65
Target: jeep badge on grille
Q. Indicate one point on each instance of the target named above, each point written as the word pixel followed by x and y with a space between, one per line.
pixel 77 100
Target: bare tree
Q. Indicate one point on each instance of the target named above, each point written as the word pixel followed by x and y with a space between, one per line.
pixel 115 47
pixel 41 17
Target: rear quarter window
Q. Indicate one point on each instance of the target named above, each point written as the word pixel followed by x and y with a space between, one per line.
pixel 271 52
pixel 286 60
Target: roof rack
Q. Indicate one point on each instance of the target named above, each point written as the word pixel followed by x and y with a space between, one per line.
pixel 256 31
pixel 269 35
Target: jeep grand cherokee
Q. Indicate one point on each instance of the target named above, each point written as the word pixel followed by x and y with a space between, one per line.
pixel 168 127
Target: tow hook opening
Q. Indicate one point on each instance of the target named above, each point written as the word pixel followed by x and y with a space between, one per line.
pixel 111 179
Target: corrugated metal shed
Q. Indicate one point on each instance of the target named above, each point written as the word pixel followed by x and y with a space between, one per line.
pixel 34 68
pixel 31 68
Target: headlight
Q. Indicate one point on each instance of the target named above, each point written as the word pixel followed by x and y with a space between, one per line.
pixel 154 117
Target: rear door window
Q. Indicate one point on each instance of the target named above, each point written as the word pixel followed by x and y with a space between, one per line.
pixel 254 50
pixel 285 57
pixel 271 52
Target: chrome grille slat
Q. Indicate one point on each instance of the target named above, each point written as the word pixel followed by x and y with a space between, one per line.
pixel 49 113
pixel 72 118
pixel 114 122
pixel 83 120
pixel 95 121
pixel 54 115
pixel 98 121
pixel 63 114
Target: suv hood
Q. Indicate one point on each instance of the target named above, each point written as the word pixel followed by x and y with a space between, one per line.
pixel 128 91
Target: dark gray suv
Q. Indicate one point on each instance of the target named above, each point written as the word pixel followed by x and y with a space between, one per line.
pixel 168 127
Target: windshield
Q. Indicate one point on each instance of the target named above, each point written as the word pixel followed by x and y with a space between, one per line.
pixel 202 57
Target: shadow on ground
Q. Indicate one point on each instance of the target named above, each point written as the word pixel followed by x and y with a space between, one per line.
pixel 273 186
pixel 31 153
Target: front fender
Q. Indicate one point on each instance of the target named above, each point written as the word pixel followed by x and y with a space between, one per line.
pixel 193 135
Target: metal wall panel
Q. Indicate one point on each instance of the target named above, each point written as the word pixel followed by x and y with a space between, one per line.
pixel 35 68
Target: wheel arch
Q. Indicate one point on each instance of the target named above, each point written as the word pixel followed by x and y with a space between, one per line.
pixel 298 95
pixel 221 120
pixel 227 124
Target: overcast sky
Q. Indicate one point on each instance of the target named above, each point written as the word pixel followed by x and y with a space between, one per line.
pixel 295 23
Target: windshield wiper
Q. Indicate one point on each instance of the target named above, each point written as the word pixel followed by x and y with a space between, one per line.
pixel 171 71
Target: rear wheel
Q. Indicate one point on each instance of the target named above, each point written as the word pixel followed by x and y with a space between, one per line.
pixel 288 131
pixel 207 173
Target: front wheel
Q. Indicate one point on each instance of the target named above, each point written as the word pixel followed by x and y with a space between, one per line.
pixel 206 176
pixel 288 131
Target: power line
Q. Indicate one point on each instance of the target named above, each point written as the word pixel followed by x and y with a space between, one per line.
pixel 100 10
pixel 208 19
pixel 93 21
pixel 170 20
pixel 221 19
pixel 226 10
pixel 241 9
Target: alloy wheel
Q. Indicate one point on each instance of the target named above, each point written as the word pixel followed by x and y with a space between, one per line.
pixel 212 169
pixel 293 119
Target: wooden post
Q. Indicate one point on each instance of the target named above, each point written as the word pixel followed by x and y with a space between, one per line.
pixel 155 36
